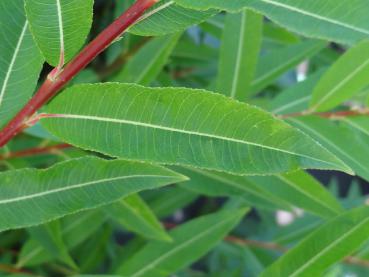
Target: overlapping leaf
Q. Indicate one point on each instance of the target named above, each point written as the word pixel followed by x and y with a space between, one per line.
pixel 167 18
pixel 75 230
pixel 59 27
pixel 326 246
pixel 190 241
pixel 144 67
pixel 314 18
pixel 20 62
pixel 31 197
pixel 134 214
pixel 182 126
pixel 343 80
pixel 240 49
pixel 340 138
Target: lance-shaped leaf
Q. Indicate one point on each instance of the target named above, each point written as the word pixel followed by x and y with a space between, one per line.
pixel 31 197
pixel 232 5
pixel 346 77
pixel 167 18
pixel 319 19
pixel 217 184
pixel 241 44
pixel 277 62
pixel 49 236
pixel 168 200
pixel 190 241
pixel 182 126
pixel 326 246
pixel 296 98
pixel 60 27
pixel 134 214
pixel 341 138
pixel 75 229
pixel 20 61
pixel 145 66
pixel 301 190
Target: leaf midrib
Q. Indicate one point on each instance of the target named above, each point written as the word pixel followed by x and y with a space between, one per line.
pixel 180 247
pixel 240 48
pixel 340 84
pixel 329 247
pixel 12 62
pixel 319 17
pixel 307 194
pixel 76 186
pixel 149 125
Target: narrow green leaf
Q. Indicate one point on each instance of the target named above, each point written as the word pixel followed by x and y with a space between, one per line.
pixel 301 190
pixel 340 138
pixel 50 237
pixel 145 66
pixel 167 18
pixel 240 49
pixel 75 229
pixel 20 60
pixel 217 184
pixel 190 241
pixel 31 197
pixel 182 126
pixel 168 200
pixel 326 246
pixel 134 214
pixel 59 27
pixel 277 62
pixel 232 6
pixel 319 18
pixel 348 76
pixel 297 97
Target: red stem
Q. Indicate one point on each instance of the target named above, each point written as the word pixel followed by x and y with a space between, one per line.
pixel 34 151
pixel 329 114
pixel 53 85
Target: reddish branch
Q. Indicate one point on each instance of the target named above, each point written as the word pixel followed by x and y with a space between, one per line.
pixel 35 151
pixel 10 269
pixel 57 79
pixel 339 114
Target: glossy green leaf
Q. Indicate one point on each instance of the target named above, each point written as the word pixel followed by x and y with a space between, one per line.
pixel 167 18
pixel 346 77
pixel 297 97
pixel 146 64
pixel 240 49
pixel 217 184
pixel 324 247
pixel 190 241
pixel 340 138
pixel 31 197
pixel 60 27
pixel 182 126
pixel 301 190
pixel 20 62
pixel 277 62
pixel 318 18
pixel 134 214
pixel 233 6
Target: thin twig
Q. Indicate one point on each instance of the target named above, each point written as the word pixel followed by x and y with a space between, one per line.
pixel 53 84
pixel 34 151
pixel 331 115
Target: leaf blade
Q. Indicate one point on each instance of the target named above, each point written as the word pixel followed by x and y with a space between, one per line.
pixel 51 185
pixel 171 117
